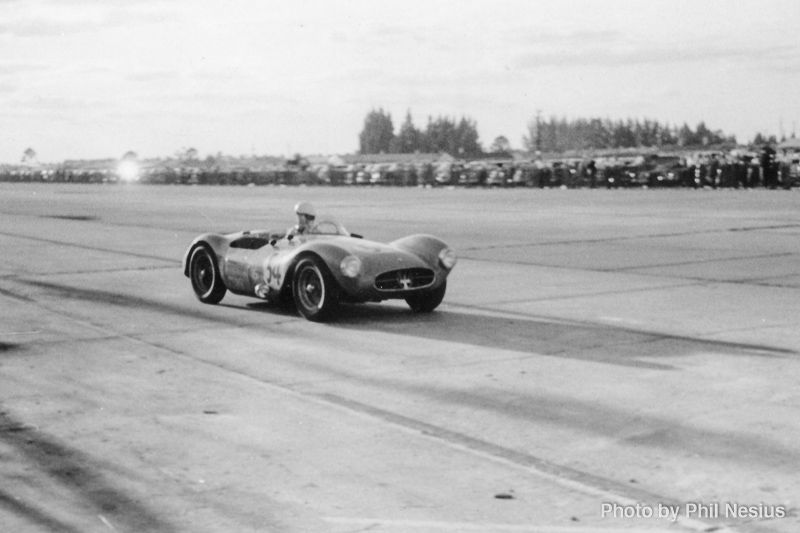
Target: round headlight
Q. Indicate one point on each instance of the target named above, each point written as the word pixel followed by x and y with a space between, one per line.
pixel 351 266
pixel 447 258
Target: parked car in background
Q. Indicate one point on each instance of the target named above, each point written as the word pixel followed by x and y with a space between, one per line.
pixel 565 173
pixel 523 175
pixel 448 173
pixel 499 175
pixel 662 171
pixel 384 174
pixel 624 172
pixel 473 174
pixel 790 172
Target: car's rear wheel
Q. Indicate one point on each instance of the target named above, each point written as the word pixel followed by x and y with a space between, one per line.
pixel 425 302
pixel 206 279
pixel 315 292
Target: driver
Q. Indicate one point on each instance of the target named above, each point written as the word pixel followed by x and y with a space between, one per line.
pixel 305 220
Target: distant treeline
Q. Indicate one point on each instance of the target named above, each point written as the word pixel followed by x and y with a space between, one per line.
pixel 559 135
pixel 443 134
pixel 459 138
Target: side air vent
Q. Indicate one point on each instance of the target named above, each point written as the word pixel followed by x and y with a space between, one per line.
pixel 249 243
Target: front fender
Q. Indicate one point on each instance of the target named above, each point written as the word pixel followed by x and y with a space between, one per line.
pixel 218 244
pixel 330 254
pixel 426 247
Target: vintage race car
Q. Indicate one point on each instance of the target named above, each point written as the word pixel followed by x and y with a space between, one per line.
pixel 319 270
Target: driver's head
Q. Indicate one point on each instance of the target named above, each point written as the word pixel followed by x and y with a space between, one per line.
pixel 305 214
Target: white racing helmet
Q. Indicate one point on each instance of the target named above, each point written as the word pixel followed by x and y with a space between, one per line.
pixel 305 208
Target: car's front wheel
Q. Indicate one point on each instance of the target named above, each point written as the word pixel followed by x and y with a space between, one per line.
pixel 315 292
pixel 425 302
pixel 206 279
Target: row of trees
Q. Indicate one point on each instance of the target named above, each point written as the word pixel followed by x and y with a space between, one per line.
pixel 443 134
pixel 460 137
pixel 558 135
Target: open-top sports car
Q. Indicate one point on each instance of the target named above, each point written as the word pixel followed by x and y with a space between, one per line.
pixel 320 269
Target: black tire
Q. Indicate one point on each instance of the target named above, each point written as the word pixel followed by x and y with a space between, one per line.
pixel 315 292
pixel 206 279
pixel 425 302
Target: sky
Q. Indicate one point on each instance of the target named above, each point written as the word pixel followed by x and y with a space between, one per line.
pixel 92 79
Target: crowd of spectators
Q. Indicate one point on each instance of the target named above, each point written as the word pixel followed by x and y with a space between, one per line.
pixel 695 170
pixel 733 169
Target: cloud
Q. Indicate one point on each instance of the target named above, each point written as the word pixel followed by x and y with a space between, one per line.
pixel 69 17
pixel 152 76
pixel 783 60
pixel 578 37
pixel 620 55
pixel 53 109
pixel 614 48
pixel 14 76
pixel 14 69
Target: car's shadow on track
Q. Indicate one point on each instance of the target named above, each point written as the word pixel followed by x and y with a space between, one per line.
pixel 267 307
pixel 520 333
pixel 534 335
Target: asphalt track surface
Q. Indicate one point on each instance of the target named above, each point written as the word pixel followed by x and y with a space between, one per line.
pixel 625 350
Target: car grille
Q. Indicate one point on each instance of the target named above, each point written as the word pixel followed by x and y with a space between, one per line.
pixel 407 278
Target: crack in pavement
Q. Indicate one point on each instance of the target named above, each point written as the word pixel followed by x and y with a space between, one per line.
pixel 80 272
pixel 88 247
pixel 641 270
pixel 626 238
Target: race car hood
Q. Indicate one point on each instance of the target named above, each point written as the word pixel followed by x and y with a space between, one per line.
pixel 378 257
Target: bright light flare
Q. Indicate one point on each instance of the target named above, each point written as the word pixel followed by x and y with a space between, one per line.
pixel 128 171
